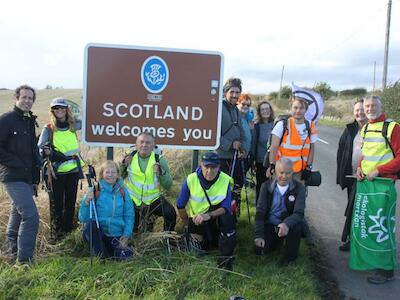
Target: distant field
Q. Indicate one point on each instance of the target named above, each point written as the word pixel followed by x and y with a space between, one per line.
pixel 43 99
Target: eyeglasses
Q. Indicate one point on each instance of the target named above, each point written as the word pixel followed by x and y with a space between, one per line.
pixel 58 107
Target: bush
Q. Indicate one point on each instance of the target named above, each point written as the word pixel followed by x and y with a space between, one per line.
pixel 356 92
pixel 324 89
pixel 391 99
pixel 332 111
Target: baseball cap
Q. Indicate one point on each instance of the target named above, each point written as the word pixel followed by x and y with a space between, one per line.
pixel 58 102
pixel 210 158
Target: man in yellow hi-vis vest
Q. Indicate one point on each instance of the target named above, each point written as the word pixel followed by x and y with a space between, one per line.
pixel 380 157
pixel 147 173
pixel 204 205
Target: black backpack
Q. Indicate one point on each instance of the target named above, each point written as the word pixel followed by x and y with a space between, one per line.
pixel 124 165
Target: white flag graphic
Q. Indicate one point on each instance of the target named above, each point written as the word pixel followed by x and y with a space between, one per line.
pixel 315 102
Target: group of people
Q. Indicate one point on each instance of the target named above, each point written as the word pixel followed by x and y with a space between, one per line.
pixel 129 195
pixel 368 148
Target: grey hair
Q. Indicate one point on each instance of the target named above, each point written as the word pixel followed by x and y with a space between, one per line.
pixel 285 161
pixel 373 98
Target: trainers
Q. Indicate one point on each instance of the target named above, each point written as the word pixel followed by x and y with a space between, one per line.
pixel 381 277
pixel 196 247
pixel 345 247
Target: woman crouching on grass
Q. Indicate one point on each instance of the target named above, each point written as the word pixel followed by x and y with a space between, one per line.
pixel 115 215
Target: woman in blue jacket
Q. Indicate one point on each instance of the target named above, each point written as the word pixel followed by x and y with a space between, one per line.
pixel 115 214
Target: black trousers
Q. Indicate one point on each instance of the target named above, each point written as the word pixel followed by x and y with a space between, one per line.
pixel 145 215
pixel 273 241
pixel 62 204
pixel 260 177
pixel 219 232
pixel 351 194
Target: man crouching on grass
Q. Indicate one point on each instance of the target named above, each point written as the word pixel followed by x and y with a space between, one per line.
pixel 280 213
pixel 204 205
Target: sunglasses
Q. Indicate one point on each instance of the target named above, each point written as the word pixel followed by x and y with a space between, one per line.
pixel 58 107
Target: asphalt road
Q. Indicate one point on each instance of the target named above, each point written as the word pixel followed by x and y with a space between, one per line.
pixel 325 208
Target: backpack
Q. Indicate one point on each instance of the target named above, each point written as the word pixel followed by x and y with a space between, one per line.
pixel 285 120
pixel 124 165
pixel 98 190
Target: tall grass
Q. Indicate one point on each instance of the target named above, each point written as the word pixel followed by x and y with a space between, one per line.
pixel 63 271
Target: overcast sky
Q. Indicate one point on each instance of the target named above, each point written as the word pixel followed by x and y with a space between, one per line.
pixel 316 40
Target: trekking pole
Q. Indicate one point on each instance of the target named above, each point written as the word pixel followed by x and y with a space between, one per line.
pixel 233 163
pixel 90 233
pixel 245 189
pixel 92 211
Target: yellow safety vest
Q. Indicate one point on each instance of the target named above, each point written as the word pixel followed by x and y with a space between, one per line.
pixel 67 143
pixel 142 187
pixel 198 202
pixel 375 150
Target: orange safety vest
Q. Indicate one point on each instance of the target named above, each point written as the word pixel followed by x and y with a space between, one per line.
pixel 293 148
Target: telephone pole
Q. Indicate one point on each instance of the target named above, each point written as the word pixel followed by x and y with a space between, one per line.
pixel 280 86
pixel 385 61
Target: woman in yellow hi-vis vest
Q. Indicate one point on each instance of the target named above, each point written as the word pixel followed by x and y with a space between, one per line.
pixel 147 173
pixel 204 205
pixel 59 146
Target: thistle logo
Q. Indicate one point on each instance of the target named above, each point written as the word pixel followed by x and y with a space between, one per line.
pixel 154 74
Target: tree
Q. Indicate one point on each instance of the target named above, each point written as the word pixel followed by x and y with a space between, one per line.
pixel 286 92
pixel 391 101
pixel 324 89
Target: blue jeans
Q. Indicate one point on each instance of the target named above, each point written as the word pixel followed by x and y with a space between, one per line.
pixel 23 223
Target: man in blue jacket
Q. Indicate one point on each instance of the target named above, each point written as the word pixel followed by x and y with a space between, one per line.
pixel 19 172
pixel 204 205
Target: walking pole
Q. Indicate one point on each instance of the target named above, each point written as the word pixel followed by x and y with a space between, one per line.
pixel 90 233
pixel 245 189
pixel 233 163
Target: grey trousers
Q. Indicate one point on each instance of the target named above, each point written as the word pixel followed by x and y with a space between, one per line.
pixel 23 223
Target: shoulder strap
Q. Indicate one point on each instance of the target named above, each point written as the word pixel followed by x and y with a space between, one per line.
pixel 308 128
pixel 204 190
pixel 49 127
pixel 285 128
pixel 257 129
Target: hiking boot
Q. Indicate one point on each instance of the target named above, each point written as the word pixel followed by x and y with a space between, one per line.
pixel 345 247
pixel 225 262
pixel 381 276
pixel 283 263
pixel 197 247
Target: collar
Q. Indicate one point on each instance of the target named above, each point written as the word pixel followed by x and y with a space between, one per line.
pixel 381 118
pixel 272 185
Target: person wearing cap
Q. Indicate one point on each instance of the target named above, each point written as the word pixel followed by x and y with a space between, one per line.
pixel 280 213
pixel 19 173
pixel 148 172
pixel 231 147
pixel 295 142
pixel 59 146
pixel 204 205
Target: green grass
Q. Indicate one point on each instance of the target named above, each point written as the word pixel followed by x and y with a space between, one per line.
pixel 67 274
pixel 64 272
pixel 337 123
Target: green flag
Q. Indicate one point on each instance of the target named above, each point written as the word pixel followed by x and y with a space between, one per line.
pixel 373 243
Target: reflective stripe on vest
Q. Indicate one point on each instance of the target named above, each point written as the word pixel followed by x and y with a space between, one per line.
pixel 375 152
pixel 142 187
pixel 293 148
pixel 198 202
pixel 66 142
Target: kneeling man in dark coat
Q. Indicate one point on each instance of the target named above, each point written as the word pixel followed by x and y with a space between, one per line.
pixel 280 213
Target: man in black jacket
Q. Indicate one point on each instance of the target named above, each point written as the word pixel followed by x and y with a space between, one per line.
pixel 280 213
pixel 19 172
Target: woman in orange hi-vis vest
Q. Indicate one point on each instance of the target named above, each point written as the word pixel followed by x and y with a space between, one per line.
pixel 294 141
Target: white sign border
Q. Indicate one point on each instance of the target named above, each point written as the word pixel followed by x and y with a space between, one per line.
pixel 190 51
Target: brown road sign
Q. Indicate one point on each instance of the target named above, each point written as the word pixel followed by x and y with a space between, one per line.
pixel 175 94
